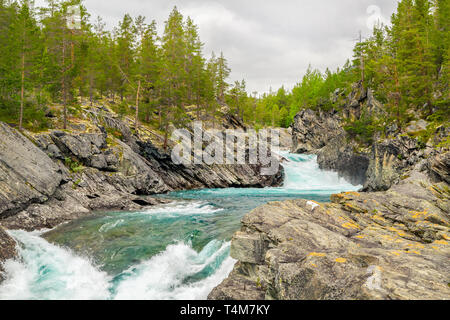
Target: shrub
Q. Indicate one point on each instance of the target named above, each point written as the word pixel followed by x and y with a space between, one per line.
pixel 34 117
pixel 73 165
pixel 362 130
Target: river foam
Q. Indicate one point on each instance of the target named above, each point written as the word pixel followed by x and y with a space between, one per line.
pixel 179 250
pixel 303 174
pixel 47 271
pixel 178 273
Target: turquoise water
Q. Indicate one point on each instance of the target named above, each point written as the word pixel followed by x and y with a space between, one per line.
pixel 178 250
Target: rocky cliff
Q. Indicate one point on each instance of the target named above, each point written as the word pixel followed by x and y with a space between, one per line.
pixel 7 248
pixel 392 155
pixel 379 245
pixel 60 175
pixel 322 133
pixel 390 241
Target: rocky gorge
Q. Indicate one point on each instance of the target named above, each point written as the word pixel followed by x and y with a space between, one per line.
pixel 389 241
pixel 57 176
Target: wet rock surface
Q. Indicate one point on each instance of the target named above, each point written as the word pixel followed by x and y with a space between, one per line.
pixel 322 134
pixel 391 241
pixel 57 176
pixel 27 174
pixel 7 249
pixel 377 166
pixel 313 130
pixel 380 245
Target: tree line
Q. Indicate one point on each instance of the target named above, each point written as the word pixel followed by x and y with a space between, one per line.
pixel 167 79
pixel 406 64
pixel 46 58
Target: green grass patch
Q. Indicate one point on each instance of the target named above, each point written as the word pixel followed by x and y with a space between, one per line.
pixel 73 165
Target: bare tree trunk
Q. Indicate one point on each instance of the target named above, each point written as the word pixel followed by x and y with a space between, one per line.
pixel 72 50
pixel 91 89
pixel 362 60
pixel 362 70
pixel 397 96
pixel 22 91
pixel 166 134
pixel 136 121
pixel 160 116
pixel 198 106
pixel 64 82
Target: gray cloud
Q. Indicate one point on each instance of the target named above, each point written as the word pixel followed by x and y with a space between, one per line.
pixel 269 43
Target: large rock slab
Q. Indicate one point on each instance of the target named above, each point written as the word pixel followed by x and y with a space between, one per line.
pixel 383 245
pixel 27 174
pixel 440 167
pixel 312 130
pixel 244 243
pixel 199 176
pixel 7 249
pixel 322 133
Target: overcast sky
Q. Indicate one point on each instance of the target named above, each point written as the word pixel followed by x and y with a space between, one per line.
pixel 268 43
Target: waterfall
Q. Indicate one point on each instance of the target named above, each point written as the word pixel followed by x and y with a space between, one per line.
pixel 179 250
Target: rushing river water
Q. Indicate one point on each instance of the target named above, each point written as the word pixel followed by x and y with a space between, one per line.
pixel 172 251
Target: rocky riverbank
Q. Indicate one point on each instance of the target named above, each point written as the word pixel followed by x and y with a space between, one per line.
pixel 7 248
pixel 377 245
pixel 390 241
pixel 393 154
pixel 99 164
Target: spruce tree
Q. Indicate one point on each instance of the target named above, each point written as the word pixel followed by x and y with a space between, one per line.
pixel 223 72
pixel 174 72
pixel 27 36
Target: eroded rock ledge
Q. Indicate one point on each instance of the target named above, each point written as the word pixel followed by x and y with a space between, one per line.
pixel 392 154
pixel 384 245
pixel 7 249
pixel 53 177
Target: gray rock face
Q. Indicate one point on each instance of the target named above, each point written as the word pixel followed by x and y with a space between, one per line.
pixel 440 167
pixel 361 101
pixel 244 243
pixel 311 131
pixel 118 163
pixel 390 159
pixel 27 175
pixel 285 138
pixel 181 177
pixel 68 175
pixel 377 167
pixel 322 134
pixel 339 155
pixel 7 249
pixel 384 245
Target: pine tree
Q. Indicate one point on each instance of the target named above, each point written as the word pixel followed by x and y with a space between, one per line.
pixel 441 49
pixel 223 72
pixel 149 67
pixel 125 54
pixel 210 87
pixel 412 46
pixel 194 65
pixel 27 35
pixel 8 50
pixel 56 53
pixel 174 72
